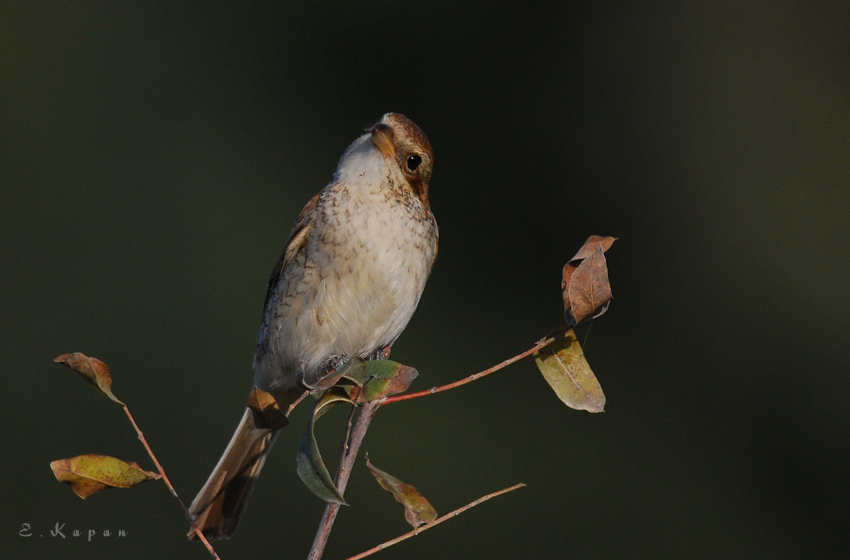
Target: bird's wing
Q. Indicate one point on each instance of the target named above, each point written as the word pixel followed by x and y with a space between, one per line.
pixel 294 244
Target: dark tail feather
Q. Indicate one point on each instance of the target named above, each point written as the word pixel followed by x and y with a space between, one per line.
pixel 219 505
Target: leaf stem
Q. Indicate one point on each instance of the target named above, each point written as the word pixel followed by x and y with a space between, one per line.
pixel 437 521
pixel 407 396
pixel 169 485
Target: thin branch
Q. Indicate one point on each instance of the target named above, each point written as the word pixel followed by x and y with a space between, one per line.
pixel 404 397
pixel 170 487
pixel 345 440
pixel 352 447
pixel 418 530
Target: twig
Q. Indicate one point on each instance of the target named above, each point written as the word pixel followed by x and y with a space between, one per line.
pixel 352 447
pixel 437 521
pixel 345 440
pixel 170 487
pixel 407 396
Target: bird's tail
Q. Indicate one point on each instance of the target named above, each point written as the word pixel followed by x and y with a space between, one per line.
pixel 221 502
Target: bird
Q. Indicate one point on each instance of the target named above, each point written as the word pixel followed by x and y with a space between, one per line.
pixel 347 283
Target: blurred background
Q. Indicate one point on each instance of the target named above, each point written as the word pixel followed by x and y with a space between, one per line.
pixel 154 156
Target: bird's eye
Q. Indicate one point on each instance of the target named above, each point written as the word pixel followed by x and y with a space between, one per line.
pixel 413 162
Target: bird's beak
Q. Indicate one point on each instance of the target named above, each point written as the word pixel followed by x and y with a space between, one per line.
pixel 382 137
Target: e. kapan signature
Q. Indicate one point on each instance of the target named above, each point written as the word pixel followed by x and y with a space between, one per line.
pixel 60 531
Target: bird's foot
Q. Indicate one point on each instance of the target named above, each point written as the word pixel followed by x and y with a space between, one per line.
pixel 380 354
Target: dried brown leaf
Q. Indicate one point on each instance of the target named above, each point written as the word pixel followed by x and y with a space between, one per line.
pixel 92 370
pixel 417 510
pixel 266 409
pixel 592 244
pixel 88 474
pixel 585 286
pixel 590 290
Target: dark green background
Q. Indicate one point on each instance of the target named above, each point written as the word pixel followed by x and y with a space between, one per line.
pixel 152 160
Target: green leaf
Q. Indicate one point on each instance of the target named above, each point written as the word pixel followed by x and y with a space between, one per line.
pixel 88 474
pixel 385 378
pixel 382 369
pixel 417 510
pixel 563 366
pixel 92 370
pixel 311 467
pixel 354 370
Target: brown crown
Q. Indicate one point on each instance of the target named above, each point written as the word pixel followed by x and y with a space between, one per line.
pixel 407 133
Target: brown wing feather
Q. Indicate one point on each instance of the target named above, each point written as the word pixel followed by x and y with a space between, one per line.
pixel 436 249
pixel 293 244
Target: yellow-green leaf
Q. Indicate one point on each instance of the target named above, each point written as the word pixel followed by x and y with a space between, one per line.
pixel 88 474
pixel 417 510
pixel 92 370
pixel 563 366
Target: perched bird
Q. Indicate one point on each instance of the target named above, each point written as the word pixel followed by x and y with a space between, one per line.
pixel 349 279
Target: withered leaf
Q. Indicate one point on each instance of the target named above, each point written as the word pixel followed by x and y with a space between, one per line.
pixel 385 378
pixel 88 474
pixel 564 367
pixel 311 467
pixel 417 510
pixel 266 409
pixel 589 290
pixel 585 286
pixel 92 370
pixel 592 244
